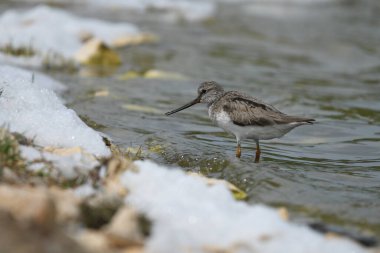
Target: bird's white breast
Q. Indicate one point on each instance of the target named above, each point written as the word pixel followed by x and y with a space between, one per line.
pixel 223 120
pixel 218 117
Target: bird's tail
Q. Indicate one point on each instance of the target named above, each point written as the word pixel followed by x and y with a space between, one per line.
pixel 309 121
pixel 303 120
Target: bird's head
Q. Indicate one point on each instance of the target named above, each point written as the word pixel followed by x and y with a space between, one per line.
pixel 208 92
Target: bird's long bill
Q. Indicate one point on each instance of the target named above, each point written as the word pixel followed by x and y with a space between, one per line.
pixel 195 101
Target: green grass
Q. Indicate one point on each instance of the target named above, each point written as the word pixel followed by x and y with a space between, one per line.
pixel 56 62
pixel 25 51
pixel 9 151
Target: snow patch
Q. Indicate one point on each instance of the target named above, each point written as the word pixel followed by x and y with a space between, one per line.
pixel 30 106
pixel 54 34
pixel 189 10
pixel 85 190
pixel 189 216
pixel 68 166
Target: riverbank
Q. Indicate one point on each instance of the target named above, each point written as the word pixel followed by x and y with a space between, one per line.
pixel 60 177
pixel 121 67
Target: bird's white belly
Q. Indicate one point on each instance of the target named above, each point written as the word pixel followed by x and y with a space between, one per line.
pixel 254 132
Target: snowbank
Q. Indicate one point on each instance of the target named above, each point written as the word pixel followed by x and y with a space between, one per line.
pixel 30 106
pixel 189 216
pixel 197 10
pixel 68 166
pixel 190 10
pixel 54 35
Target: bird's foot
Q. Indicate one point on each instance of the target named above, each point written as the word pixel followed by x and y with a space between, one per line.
pixel 238 151
pixel 257 158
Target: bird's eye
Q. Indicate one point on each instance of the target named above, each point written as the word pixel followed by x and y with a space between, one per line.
pixel 203 91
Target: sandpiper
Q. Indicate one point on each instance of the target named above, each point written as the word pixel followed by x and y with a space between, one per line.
pixel 244 116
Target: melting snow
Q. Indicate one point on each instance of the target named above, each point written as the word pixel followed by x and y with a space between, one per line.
pixel 54 34
pixel 30 106
pixel 68 166
pixel 189 216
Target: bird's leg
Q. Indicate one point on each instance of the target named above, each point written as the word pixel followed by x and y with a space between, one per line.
pixel 238 150
pixel 258 152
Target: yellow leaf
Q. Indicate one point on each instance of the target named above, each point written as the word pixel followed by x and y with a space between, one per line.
pixel 140 108
pixel 129 75
pixel 236 192
pixel 159 74
pixel 134 40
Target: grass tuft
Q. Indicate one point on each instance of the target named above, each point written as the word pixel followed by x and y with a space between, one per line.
pixel 25 51
pixel 9 151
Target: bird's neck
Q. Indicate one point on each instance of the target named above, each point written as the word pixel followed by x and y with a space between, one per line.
pixel 217 97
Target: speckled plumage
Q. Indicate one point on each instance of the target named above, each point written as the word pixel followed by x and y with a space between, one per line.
pixel 249 111
pixel 243 115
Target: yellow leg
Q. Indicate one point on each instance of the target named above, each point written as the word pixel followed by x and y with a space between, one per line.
pixel 238 151
pixel 258 152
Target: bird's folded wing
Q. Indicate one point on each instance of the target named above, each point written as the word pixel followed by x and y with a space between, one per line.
pixel 247 111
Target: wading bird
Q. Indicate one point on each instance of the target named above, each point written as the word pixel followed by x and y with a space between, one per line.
pixel 244 116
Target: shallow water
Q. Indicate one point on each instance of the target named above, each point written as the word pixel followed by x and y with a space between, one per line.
pixel 320 60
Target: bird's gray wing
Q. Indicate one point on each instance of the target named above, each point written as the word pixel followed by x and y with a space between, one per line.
pixel 248 111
